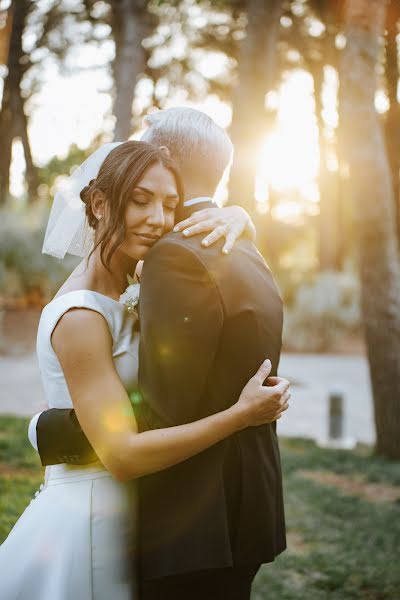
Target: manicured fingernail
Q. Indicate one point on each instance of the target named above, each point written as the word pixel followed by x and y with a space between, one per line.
pixel 205 242
pixel 225 251
pixel 186 232
pixel 176 228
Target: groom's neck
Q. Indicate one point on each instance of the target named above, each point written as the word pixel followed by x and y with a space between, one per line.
pixel 197 191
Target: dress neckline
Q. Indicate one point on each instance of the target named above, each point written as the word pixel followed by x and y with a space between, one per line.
pixel 84 290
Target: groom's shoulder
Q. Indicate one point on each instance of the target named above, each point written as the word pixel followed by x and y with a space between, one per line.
pixel 172 244
pixel 176 243
pixel 243 255
pixel 174 249
pixel 243 268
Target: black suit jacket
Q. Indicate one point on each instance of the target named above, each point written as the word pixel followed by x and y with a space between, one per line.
pixel 207 322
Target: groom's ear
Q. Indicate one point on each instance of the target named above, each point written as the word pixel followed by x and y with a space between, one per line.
pixel 165 150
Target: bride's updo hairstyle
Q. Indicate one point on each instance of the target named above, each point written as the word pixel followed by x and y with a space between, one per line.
pixel 118 176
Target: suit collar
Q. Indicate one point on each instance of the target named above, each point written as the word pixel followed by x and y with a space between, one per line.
pixel 193 205
pixel 197 200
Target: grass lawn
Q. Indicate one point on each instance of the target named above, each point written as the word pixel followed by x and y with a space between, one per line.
pixel 342 510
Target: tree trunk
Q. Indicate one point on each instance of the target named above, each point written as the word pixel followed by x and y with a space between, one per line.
pixel 372 192
pixel 392 121
pixel 257 66
pixel 132 23
pixel 330 244
pixel 13 121
pixel 5 38
pixel 329 252
pixel 6 137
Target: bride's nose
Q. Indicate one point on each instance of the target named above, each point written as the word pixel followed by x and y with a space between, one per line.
pixel 156 217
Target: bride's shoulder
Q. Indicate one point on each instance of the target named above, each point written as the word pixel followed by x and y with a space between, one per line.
pixel 83 306
pixel 70 297
pixel 78 315
pixel 83 327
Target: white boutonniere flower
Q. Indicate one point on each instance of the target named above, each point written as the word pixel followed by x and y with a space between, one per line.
pixel 130 298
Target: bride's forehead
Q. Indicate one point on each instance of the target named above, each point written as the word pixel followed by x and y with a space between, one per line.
pixel 156 178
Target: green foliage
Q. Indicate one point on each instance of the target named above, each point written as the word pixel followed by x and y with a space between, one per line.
pixel 24 270
pixel 23 267
pixel 63 166
pixel 340 546
pixel 322 311
pixel 15 449
pixel 20 472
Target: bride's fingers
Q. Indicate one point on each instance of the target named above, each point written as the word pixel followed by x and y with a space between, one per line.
pixel 230 241
pixel 282 387
pixel 274 380
pixel 263 372
pixel 282 410
pixel 192 220
pixel 215 235
pixel 285 397
pixel 200 227
pixel 230 232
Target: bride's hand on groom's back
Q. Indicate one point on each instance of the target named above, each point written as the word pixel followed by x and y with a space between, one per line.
pixel 261 403
pixel 230 223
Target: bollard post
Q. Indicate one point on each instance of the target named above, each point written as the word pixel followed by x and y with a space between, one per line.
pixel 336 415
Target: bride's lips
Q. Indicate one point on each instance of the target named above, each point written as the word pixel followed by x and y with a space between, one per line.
pixel 147 238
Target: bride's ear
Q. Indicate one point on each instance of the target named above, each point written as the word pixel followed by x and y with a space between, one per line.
pixel 98 204
pixel 165 150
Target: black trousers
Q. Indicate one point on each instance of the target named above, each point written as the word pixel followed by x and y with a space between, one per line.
pixel 215 584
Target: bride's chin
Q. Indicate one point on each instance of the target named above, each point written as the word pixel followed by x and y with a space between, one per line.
pixel 135 253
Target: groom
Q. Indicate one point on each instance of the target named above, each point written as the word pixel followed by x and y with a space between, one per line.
pixel 207 322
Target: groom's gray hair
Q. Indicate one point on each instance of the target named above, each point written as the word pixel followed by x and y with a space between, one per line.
pixel 201 148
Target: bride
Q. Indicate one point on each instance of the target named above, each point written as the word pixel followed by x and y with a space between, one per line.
pixel 76 538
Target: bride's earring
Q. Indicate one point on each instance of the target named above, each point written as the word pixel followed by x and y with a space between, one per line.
pixel 98 204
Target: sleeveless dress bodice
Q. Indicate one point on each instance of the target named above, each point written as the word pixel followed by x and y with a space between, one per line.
pixel 77 537
pixel 124 350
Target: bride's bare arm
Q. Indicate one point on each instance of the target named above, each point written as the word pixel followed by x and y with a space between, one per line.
pixel 83 344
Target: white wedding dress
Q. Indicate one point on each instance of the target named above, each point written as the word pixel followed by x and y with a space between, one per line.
pixel 75 540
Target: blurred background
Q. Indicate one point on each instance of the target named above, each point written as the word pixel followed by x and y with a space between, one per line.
pixel 308 91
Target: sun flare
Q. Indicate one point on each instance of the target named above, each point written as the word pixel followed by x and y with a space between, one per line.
pixel 288 160
pixel 289 156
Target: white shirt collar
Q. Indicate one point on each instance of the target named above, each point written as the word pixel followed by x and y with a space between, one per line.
pixel 193 201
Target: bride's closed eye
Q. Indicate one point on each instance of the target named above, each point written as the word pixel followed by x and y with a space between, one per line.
pixel 140 202
pixel 139 199
pixel 171 205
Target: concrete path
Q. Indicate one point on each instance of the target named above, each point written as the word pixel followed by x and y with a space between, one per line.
pixel 21 391
pixel 312 377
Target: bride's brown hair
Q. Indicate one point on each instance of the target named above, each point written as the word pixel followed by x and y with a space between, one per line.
pixel 118 175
